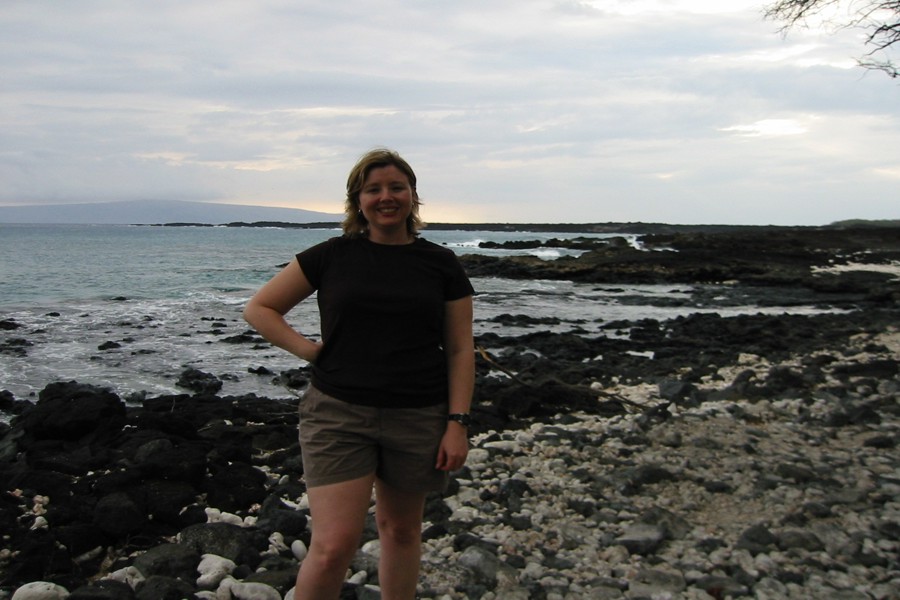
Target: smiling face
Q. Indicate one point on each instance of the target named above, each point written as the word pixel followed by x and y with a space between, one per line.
pixel 386 202
pixel 390 165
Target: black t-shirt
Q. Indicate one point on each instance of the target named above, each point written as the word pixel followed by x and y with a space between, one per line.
pixel 382 317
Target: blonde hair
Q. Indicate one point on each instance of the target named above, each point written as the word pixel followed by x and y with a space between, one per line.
pixel 355 224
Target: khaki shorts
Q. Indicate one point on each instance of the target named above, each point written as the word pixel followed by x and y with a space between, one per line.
pixel 340 441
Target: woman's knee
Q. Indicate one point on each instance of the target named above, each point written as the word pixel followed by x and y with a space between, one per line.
pixel 399 532
pixel 334 551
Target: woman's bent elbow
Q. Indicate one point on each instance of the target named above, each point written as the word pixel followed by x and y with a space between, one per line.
pixel 250 314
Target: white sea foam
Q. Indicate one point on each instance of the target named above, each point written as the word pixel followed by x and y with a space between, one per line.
pixel 892 268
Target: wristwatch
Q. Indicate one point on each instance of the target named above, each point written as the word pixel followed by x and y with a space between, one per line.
pixel 463 419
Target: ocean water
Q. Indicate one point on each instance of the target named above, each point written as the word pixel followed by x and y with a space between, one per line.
pixel 169 297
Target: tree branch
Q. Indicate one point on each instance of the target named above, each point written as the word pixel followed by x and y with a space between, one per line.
pixel 880 18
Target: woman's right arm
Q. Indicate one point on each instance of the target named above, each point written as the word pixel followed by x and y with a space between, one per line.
pixel 266 309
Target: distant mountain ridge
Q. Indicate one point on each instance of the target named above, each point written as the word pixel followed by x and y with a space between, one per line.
pixel 153 212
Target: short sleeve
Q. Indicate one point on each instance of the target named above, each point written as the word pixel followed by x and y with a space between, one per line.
pixel 314 260
pixel 457 284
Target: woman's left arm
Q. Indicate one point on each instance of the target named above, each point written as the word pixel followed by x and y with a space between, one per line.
pixel 459 348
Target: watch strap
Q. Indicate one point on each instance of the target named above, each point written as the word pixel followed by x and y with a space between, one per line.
pixel 463 419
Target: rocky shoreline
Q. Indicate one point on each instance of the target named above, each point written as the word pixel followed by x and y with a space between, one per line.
pixel 695 458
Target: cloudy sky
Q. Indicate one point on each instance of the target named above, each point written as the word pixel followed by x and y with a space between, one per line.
pixel 679 111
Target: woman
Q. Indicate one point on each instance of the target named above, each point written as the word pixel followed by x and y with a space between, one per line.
pixel 392 379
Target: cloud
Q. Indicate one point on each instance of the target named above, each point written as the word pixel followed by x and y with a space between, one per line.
pixel 769 127
pixel 525 110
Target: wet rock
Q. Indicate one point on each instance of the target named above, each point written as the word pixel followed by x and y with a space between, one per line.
pixel 9 325
pixel 15 347
pixel 118 515
pixel 274 516
pixel 73 411
pixel 10 405
pixel 178 561
pixel 162 587
pixel 103 590
pixel 199 382
pixel 294 379
pixel 248 337
pixel 238 544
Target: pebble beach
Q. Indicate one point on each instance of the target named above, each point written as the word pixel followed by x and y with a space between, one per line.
pixel 786 498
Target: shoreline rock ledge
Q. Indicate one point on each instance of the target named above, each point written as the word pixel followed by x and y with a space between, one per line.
pixel 758 477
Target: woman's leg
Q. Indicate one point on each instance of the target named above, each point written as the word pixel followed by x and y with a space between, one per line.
pixel 399 518
pixel 338 516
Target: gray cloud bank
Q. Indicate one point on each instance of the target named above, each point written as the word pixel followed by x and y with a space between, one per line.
pixel 521 111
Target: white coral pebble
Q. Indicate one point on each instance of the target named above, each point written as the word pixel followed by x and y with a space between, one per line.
pixel 41 590
pixel 299 550
pixel 231 589
pixel 213 569
pixel 129 575
pixel 276 543
pixel 214 515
